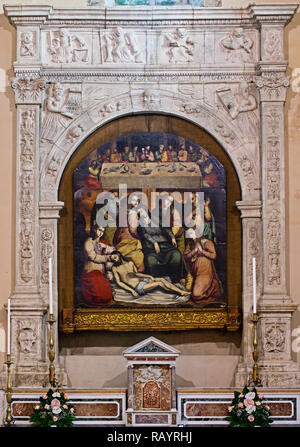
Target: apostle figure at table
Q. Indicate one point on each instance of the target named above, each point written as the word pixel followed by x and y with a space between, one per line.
pixel 182 154
pixel 125 154
pixel 95 286
pixel 106 155
pixel 161 255
pixel 128 278
pixel 173 152
pixel 133 155
pixel 115 157
pixel 149 154
pixel 192 154
pixel 199 258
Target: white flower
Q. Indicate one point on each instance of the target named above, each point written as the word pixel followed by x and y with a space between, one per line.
pixel 56 410
pixel 250 395
pixel 56 394
pixel 250 409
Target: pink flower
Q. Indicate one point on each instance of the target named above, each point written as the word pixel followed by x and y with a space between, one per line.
pixel 37 407
pixel 55 403
pixel 45 397
pixel 46 407
pixel 241 395
pixel 65 407
pixel 267 407
pixel 54 419
pixel 71 410
pixel 250 418
pixel 248 402
pixel 241 405
pixel 258 403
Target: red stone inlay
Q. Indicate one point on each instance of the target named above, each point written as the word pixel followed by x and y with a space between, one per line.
pixel 151 395
pixel 151 419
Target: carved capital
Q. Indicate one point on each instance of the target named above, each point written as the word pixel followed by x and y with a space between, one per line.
pixel 272 86
pixel 28 91
pixel 249 209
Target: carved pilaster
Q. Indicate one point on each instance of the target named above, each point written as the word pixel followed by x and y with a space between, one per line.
pixel 252 231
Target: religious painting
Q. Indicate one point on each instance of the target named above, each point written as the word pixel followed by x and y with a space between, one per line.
pixel 150 225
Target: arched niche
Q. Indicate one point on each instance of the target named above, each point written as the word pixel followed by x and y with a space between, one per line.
pixel 71 320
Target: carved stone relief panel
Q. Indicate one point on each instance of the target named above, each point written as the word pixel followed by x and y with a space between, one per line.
pixel 179 46
pixel 27 165
pixel 121 45
pixel 272 44
pixel 238 45
pixel 66 46
pixel 27 43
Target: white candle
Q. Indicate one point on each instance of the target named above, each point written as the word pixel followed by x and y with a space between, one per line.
pixel 254 284
pixel 8 327
pixel 50 287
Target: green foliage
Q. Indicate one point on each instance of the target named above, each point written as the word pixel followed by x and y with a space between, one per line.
pixel 248 410
pixel 53 409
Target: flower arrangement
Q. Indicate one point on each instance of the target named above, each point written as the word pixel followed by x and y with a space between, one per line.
pixel 248 410
pixel 53 410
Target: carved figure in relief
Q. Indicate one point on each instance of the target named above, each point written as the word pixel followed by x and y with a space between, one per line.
pixel 272 45
pixel 246 165
pixel 27 243
pixel 180 46
pixel 274 269
pixel 241 104
pixel 56 117
pixel 65 47
pixel 27 44
pixel 237 45
pixel 150 98
pixel 121 46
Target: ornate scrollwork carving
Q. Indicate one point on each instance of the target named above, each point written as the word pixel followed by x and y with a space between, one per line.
pixel 28 91
pixel 272 86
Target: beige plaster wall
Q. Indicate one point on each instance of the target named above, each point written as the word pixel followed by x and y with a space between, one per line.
pixel 103 352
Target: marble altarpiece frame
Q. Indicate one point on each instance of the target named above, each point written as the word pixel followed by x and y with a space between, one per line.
pixel 217 69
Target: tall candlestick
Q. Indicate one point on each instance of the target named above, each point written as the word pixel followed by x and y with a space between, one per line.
pixel 254 284
pixel 8 327
pixel 50 287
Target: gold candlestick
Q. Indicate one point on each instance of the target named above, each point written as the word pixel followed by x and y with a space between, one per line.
pixel 255 378
pixel 52 378
pixel 8 419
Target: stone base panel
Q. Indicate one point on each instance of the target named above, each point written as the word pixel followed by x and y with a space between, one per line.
pixel 194 408
pixel 210 407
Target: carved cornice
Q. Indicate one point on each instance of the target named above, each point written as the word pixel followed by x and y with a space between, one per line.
pixel 153 17
pixel 274 13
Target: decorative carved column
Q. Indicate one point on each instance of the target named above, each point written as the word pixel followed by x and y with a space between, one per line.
pixel 27 308
pixel 275 307
pixel 49 215
pixel 252 231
